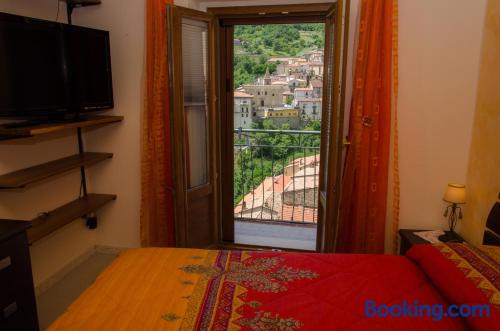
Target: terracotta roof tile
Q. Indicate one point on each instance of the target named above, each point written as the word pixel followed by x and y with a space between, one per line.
pixel 239 94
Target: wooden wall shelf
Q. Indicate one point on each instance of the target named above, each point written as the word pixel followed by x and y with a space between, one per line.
pixel 21 178
pixel 53 220
pixel 49 222
pixel 7 133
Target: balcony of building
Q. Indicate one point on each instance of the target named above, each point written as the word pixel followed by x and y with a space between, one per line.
pixel 276 187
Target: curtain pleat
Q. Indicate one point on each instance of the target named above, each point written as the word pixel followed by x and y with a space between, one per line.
pixel 157 218
pixel 365 180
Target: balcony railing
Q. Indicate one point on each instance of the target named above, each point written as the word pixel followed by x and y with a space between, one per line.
pixel 276 175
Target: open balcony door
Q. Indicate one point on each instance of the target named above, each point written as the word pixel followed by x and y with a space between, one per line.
pixel 336 33
pixel 191 56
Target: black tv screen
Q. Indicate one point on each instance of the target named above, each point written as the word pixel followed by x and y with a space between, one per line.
pixel 90 64
pixel 49 68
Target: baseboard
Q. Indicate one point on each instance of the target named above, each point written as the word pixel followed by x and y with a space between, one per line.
pixel 56 277
pixel 112 250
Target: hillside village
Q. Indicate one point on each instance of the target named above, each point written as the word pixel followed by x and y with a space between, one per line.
pixel 291 95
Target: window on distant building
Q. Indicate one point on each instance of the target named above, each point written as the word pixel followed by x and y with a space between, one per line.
pixel 265 92
pixel 254 113
pixel 262 103
pixel 258 92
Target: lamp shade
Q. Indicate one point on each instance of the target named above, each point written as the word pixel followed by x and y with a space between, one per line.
pixel 455 193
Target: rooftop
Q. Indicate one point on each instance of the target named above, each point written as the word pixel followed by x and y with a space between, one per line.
pixel 265 202
pixel 316 83
pixel 239 94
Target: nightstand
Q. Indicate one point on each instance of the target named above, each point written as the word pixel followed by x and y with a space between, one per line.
pixel 408 239
pixel 17 296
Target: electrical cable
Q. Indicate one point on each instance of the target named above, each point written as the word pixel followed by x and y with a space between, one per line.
pixel 58 7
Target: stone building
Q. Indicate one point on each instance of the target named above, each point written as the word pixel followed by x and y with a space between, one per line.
pixel 309 108
pixel 315 56
pixel 303 92
pixel 294 83
pixel 243 110
pixel 317 85
pixel 302 190
pixel 283 115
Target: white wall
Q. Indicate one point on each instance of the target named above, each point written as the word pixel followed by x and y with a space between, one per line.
pixel 204 4
pixel 439 51
pixel 120 221
pixel 193 4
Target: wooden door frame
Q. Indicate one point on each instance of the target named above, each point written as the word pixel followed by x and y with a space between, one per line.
pixel 225 18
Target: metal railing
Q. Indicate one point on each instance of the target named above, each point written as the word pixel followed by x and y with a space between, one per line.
pixel 276 175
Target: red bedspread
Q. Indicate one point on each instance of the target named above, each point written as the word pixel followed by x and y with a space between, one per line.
pixel 189 289
pixel 292 291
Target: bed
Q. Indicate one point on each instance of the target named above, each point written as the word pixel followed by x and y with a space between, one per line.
pixel 192 289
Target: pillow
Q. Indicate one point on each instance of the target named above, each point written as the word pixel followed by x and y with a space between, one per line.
pixel 464 275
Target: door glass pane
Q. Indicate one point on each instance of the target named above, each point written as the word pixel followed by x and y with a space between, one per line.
pixel 195 77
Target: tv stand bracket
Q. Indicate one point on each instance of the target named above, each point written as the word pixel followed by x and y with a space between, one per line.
pixel 72 4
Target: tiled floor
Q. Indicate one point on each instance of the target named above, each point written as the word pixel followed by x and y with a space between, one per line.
pixel 55 300
pixel 277 235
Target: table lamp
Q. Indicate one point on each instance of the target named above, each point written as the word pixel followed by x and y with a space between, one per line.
pixel 455 195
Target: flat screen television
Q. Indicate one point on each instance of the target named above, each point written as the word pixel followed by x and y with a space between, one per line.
pixel 50 69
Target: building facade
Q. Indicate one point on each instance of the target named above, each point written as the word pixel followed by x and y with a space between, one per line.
pixel 303 93
pixel 243 110
pixel 266 95
pixel 309 108
pixel 283 115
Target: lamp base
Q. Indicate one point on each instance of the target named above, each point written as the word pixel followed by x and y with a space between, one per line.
pixel 450 236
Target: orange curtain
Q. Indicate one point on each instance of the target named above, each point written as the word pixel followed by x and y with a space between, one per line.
pixel 365 181
pixel 157 220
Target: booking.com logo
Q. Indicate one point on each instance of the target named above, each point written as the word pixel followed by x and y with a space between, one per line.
pixel 415 309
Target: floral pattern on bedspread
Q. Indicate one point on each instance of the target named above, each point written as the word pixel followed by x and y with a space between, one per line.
pixel 221 293
pixel 171 289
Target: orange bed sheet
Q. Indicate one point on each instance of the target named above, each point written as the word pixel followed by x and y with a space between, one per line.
pixel 143 289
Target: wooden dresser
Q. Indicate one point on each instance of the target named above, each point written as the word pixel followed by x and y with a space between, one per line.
pixel 17 296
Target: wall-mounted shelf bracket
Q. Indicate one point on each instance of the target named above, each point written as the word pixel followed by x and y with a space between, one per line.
pixel 72 4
